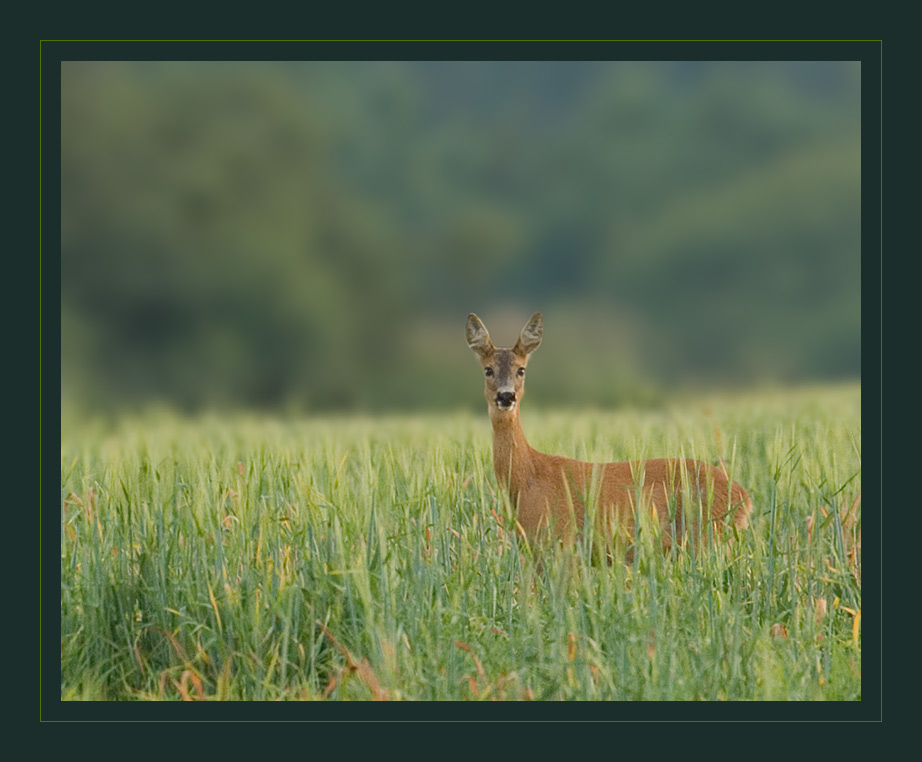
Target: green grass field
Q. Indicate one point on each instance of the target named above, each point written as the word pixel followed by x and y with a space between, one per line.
pixel 370 558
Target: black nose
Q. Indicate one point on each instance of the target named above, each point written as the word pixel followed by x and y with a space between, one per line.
pixel 505 398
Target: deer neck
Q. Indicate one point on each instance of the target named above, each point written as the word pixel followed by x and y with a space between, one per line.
pixel 512 456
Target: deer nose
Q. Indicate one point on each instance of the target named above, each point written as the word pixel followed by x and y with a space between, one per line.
pixel 505 399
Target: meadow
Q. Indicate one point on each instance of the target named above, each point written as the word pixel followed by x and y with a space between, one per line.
pixel 369 558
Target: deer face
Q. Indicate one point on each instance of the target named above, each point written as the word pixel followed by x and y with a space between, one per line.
pixel 504 378
pixel 504 369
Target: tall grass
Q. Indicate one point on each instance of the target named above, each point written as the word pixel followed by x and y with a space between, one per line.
pixel 370 558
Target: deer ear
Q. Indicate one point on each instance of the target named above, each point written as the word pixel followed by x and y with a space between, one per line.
pixel 477 337
pixel 530 338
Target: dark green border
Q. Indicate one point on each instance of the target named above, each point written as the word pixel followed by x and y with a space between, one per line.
pixel 53 52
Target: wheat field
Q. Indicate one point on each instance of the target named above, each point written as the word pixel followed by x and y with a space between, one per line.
pixel 244 558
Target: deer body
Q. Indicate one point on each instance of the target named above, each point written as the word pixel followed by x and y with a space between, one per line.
pixel 552 494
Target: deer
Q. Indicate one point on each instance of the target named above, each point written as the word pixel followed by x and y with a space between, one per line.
pixel 552 495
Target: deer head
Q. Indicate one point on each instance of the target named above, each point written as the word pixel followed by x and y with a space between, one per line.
pixel 504 369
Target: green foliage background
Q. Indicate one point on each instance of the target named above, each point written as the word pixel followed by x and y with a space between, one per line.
pixel 314 233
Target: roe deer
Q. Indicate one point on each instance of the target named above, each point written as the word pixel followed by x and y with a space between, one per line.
pixel 550 494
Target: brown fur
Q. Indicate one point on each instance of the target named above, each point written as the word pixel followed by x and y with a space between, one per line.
pixel 551 493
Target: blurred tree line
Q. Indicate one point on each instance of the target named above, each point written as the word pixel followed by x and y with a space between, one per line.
pixel 315 233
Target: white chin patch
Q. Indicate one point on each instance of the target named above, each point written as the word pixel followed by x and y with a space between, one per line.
pixel 505 405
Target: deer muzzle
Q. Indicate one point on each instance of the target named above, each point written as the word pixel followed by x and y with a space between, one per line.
pixel 505 400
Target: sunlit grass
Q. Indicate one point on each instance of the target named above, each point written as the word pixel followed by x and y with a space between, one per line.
pixel 370 558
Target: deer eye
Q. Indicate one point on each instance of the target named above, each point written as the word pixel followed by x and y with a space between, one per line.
pixel 521 372
pixel 488 371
